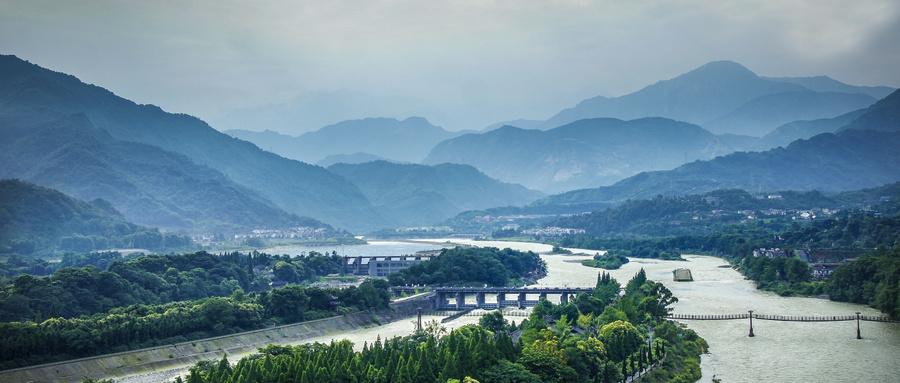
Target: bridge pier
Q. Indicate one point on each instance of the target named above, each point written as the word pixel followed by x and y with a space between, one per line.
pixel 440 301
pixel 858 333
pixel 460 300
pixel 501 299
pixel 564 298
pixel 751 324
pixel 522 300
pixel 542 297
pixel 479 300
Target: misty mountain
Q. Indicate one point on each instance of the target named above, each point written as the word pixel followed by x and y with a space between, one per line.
pixel 29 90
pixel 582 154
pixel 354 158
pixel 884 115
pixel 35 219
pixel 828 84
pixel 726 97
pixel 796 130
pixel 150 186
pixel 412 195
pixel 852 159
pixel 774 109
pixel 406 140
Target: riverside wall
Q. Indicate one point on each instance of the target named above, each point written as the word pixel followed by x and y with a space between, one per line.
pixel 182 355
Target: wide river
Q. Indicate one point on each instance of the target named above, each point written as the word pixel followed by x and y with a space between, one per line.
pixel 780 352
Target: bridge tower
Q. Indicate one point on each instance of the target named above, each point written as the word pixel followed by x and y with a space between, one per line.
pixel 751 324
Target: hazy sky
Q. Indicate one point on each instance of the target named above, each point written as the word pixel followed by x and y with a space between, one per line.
pixel 461 64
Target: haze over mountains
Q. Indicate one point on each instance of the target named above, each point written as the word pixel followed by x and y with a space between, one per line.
pixel 407 140
pixel 581 154
pixel 863 153
pixel 413 195
pixel 726 97
pixel 30 93
pixel 176 172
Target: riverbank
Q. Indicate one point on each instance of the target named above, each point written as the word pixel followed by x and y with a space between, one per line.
pixel 165 362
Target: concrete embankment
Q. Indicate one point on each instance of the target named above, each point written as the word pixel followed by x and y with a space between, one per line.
pixel 181 355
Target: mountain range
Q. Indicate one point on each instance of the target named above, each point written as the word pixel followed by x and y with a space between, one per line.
pixel 863 153
pixel 726 97
pixel 414 195
pixel 585 153
pixel 407 140
pixel 31 94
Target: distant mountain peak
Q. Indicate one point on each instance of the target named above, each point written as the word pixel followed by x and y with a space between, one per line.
pixel 721 68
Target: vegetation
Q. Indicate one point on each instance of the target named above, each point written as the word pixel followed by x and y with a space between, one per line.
pixel 473 266
pixel 150 279
pixel 611 260
pixel 598 338
pixel 36 220
pixel 784 276
pixel 138 326
pixel 873 280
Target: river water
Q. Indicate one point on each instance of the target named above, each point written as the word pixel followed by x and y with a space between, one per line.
pixel 780 352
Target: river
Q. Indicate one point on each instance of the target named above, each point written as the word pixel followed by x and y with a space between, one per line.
pixel 780 352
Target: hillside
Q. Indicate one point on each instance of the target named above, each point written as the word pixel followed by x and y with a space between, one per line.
pixel 849 160
pixel 412 195
pixel 38 220
pixel 710 212
pixel 884 115
pixel 148 185
pixel 406 140
pixel 775 109
pixel 726 97
pixel 803 129
pixel 582 154
pixel 31 93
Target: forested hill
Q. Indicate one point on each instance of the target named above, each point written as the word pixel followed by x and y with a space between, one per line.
pixel 148 185
pixel 714 211
pixel 851 159
pixel 411 195
pixel 31 94
pixel 38 220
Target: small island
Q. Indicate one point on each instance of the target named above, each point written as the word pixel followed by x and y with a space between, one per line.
pixel 611 260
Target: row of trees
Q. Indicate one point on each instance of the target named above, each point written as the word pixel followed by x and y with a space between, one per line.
pixel 473 265
pixel 107 282
pixel 598 338
pixel 139 326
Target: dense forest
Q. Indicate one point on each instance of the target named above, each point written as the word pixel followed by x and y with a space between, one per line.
pixel 597 338
pixel 150 279
pixel 473 266
pixel 137 326
pixel 35 220
pixel 873 280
